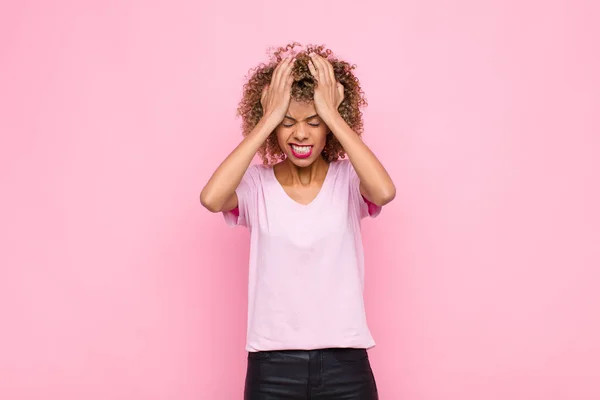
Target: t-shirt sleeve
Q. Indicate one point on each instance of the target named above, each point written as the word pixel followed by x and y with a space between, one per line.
pixel 363 206
pixel 246 193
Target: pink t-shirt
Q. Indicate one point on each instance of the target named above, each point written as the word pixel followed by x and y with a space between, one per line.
pixel 306 262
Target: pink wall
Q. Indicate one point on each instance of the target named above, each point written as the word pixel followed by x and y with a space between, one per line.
pixel 482 275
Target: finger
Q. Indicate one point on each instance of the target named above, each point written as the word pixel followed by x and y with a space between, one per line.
pixel 330 69
pixel 321 68
pixel 312 70
pixel 316 69
pixel 279 71
pixel 276 72
pixel 340 89
pixel 326 68
pixel 263 95
pixel 288 77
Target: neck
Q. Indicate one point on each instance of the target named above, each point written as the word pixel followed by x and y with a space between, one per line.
pixel 304 175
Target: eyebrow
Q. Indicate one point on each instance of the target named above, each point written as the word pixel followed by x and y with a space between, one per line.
pixel 293 119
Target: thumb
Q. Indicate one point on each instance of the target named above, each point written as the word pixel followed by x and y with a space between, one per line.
pixel 263 95
pixel 340 90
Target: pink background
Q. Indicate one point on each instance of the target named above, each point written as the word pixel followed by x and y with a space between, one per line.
pixel 483 275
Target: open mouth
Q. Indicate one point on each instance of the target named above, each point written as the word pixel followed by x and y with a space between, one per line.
pixel 301 151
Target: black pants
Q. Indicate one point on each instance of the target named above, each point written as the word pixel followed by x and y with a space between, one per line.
pixel 326 374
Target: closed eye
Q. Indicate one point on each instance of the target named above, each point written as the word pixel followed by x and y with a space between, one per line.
pixel 288 126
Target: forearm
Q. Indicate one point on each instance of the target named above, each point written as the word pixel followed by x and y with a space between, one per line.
pixel 222 184
pixel 375 182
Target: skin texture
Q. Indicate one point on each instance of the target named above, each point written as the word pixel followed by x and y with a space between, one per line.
pixel 284 119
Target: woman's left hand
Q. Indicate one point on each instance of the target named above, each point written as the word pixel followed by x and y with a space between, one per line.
pixel 329 93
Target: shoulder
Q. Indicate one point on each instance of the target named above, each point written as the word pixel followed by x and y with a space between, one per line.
pixel 340 164
pixel 257 171
pixel 342 167
pixel 255 175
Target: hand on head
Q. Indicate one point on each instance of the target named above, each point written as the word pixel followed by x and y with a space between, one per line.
pixel 329 93
pixel 275 97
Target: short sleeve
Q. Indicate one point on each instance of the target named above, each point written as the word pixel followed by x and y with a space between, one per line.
pixel 246 194
pixel 364 207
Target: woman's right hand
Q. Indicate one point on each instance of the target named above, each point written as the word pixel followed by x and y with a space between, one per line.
pixel 275 97
pixel 219 192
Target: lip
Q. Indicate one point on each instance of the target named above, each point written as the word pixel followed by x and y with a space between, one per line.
pixel 298 155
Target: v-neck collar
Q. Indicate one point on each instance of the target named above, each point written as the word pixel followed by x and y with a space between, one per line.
pixel 319 194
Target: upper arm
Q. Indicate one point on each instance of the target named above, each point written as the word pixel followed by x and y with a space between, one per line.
pixel 239 209
pixel 230 203
pixel 363 190
pixel 360 197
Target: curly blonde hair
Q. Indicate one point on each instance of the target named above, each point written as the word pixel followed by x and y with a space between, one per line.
pixel 303 89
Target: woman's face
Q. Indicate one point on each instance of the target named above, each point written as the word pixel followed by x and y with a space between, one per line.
pixel 302 134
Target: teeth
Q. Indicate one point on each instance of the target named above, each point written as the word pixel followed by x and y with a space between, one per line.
pixel 301 149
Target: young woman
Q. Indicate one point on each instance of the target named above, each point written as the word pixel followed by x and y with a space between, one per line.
pixel 307 335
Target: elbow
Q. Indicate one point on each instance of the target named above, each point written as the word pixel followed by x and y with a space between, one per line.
pixel 208 203
pixel 385 196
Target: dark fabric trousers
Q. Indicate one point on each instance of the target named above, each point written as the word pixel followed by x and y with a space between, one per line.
pixel 325 374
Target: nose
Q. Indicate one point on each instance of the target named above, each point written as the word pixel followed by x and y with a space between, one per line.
pixel 300 133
